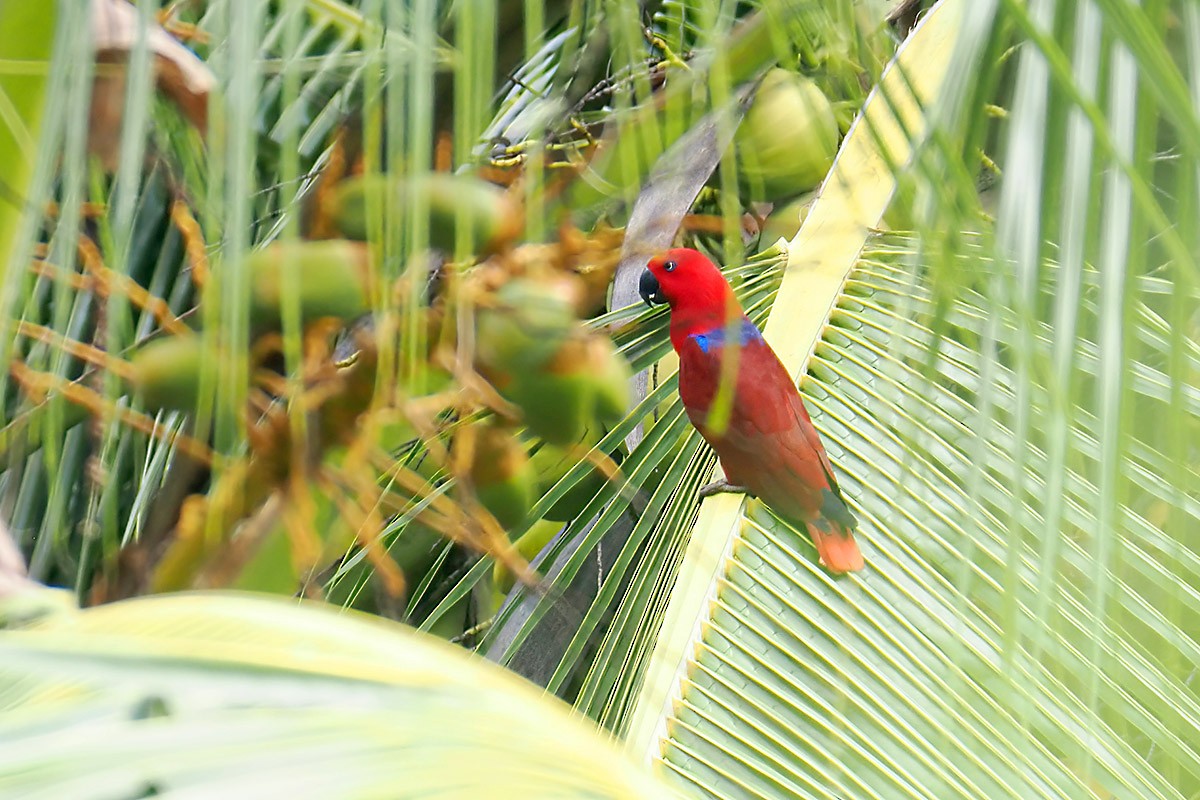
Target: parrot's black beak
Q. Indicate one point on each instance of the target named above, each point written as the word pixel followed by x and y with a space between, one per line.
pixel 649 289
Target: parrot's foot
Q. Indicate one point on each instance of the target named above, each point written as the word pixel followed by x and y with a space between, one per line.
pixel 722 487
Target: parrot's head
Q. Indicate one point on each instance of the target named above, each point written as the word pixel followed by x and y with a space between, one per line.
pixel 687 280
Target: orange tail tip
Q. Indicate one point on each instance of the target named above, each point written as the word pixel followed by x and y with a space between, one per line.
pixel 837 549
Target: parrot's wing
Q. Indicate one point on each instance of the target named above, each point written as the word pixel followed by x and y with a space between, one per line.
pixel 804 422
pixel 768 443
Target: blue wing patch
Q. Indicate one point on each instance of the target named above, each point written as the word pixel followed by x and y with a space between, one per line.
pixel 715 338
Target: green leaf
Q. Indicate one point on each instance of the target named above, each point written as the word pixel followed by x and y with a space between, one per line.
pixel 26 39
pixel 211 694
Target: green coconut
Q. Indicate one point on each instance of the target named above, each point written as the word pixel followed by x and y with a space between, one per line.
pixel 787 140
pixel 331 278
pixel 488 218
pixel 526 323
pixel 610 375
pixel 167 373
pixel 504 480
pixel 585 381
pixel 556 406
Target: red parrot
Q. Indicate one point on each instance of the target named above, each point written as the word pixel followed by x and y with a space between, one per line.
pixel 769 448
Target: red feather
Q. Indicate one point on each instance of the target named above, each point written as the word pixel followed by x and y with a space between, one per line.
pixel 769 444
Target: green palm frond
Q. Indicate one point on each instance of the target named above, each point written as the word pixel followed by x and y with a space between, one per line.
pixel 214 694
pixel 938 674
pixel 1025 623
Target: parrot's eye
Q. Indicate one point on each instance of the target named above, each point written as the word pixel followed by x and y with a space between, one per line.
pixel 669 266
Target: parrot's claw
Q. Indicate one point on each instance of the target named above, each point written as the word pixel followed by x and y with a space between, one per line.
pixel 722 487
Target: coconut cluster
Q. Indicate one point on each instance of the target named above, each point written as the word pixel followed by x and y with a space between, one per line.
pixel 557 382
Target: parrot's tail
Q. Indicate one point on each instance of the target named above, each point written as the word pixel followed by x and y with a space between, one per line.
pixel 836 546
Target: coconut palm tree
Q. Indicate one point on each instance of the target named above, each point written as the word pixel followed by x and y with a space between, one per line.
pixel 990 306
